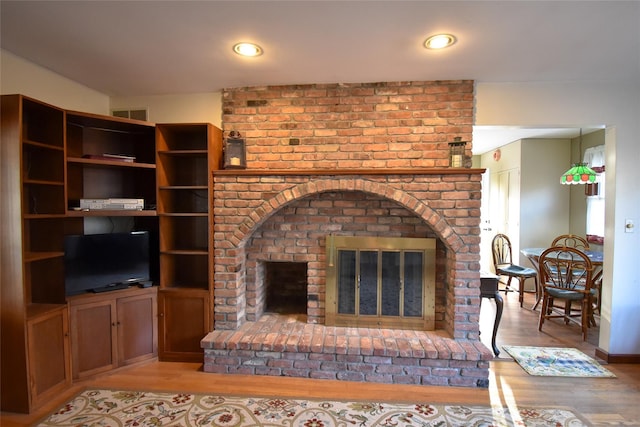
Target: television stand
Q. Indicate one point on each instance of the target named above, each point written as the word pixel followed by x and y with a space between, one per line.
pixel 111 287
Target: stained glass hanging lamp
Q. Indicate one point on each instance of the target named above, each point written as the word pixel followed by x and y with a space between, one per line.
pixel 579 173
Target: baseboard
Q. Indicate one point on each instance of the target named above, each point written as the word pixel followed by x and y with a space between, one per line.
pixel 617 358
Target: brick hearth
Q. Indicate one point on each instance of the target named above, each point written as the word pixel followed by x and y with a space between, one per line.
pixel 281 345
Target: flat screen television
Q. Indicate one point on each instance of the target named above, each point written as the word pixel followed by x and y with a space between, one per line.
pixel 102 262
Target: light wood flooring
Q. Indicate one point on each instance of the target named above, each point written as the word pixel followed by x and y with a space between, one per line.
pixel 602 401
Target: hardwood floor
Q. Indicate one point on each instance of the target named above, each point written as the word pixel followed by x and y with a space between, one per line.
pixel 610 402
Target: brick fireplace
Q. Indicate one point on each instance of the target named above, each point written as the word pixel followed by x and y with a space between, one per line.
pixel 348 160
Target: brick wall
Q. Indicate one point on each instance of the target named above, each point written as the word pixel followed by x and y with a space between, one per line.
pixel 344 126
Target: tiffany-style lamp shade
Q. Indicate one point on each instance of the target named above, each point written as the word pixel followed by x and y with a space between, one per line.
pixel 579 173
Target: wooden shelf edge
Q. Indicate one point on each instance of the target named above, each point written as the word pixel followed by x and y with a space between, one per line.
pixel 194 252
pixel 74 214
pixel 183 187
pixel 43 182
pixel 36 310
pixel 110 163
pixel 196 152
pixel 39 256
pixel 169 289
pixel 43 145
pixel 184 214
pixel 44 216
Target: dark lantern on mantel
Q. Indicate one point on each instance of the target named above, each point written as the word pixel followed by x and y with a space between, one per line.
pixel 457 153
pixel 235 152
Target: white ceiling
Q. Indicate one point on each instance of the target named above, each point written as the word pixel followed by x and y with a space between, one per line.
pixel 128 48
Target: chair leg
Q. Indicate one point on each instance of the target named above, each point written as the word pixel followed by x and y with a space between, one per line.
pixel 507 286
pixel 543 311
pixel 567 311
pixel 521 290
pixel 592 308
pixel 586 317
pixel 538 294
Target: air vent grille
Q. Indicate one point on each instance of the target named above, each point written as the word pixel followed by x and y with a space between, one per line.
pixel 137 114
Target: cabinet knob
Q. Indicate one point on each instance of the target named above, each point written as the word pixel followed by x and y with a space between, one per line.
pixel 113 324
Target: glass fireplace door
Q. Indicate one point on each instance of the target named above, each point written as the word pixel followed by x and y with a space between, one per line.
pixel 380 286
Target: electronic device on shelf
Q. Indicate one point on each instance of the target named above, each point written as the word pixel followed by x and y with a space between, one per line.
pixel 112 204
pixel 106 262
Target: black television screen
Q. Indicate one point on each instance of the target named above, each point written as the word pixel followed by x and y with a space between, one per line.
pixel 98 262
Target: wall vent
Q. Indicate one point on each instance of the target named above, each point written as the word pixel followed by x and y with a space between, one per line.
pixel 137 114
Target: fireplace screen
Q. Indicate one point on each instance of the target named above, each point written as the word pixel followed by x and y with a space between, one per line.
pixel 381 282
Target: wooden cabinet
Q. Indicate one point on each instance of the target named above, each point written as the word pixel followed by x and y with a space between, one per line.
pixel 32 229
pixel 93 337
pixel 50 159
pixel 112 329
pixel 186 156
pixel 184 319
pixel 49 362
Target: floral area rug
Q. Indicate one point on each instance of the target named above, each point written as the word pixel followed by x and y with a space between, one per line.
pixel 557 362
pixel 137 408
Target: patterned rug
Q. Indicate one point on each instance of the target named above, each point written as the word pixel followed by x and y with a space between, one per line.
pixel 556 362
pixel 136 408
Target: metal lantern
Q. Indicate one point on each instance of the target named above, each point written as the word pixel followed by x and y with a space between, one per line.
pixel 456 153
pixel 235 152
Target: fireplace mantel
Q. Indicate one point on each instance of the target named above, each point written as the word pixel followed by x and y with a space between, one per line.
pixel 343 172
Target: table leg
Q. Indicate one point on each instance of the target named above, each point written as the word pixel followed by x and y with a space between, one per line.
pixel 496 323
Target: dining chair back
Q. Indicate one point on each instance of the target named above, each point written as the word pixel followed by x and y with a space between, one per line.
pixel 578 242
pixel 503 265
pixel 566 274
pixel 571 241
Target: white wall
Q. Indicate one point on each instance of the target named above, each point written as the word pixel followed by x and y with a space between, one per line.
pixel 18 76
pixel 617 105
pixel 544 202
pixel 188 108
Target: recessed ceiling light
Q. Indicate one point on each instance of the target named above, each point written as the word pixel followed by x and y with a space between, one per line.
pixel 247 49
pixel 439 41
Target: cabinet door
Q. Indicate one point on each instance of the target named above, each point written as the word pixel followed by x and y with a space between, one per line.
pixel 49 361
pixel 184 319
pixel 93 337
pixel 137 328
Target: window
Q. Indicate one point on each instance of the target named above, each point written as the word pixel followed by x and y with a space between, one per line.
pixel 381 282
pixel 594 157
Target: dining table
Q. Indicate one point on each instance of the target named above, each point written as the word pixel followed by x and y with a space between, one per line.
pixel 596 258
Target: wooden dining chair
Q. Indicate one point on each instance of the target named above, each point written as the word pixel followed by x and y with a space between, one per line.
pixel 571 241
pixel 580 243
pixel 504 266
pixel 566 275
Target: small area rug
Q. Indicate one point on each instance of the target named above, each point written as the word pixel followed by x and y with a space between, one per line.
pixel 556 362
pixel 137 408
